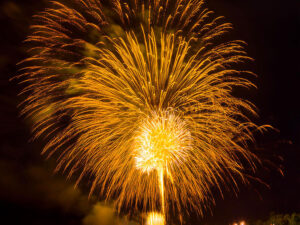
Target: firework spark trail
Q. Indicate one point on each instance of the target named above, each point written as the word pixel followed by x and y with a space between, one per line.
pixel 137 95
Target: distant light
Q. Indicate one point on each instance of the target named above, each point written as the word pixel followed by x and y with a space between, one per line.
pixel 242 223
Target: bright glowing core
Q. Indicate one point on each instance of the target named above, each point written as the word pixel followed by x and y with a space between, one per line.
pixel 155 219
pixel 163 140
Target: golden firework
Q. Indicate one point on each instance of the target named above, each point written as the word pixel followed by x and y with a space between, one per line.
pixel 138 95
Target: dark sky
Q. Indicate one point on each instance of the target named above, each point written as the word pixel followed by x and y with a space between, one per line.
pixel 31 194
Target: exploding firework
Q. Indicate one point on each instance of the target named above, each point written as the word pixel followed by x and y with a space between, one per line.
pixel 137 96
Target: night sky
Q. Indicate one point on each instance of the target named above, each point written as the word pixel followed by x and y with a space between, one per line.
pixel 30 193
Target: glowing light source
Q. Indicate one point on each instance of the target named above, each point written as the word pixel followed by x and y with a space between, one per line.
pixel 155 219
pixel 162 141
pixel 240 223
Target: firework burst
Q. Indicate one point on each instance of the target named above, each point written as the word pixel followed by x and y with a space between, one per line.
pixel 136 95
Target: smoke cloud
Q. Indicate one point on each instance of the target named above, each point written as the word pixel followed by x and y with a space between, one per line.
pixel 105 215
